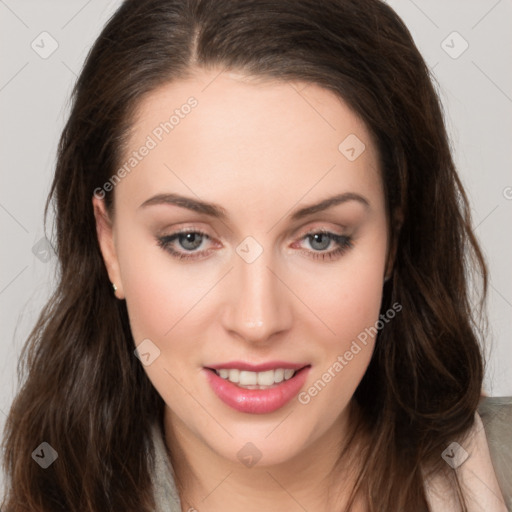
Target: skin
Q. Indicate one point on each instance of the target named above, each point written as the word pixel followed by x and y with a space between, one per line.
pixel 261 150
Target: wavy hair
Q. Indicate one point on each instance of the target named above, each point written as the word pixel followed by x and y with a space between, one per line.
pixel 81 388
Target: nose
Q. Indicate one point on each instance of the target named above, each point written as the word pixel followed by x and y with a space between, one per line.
pixel 259 305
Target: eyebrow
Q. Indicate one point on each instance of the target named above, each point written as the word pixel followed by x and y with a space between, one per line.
pixel 216 211
pixel 195 205
pixel 329 203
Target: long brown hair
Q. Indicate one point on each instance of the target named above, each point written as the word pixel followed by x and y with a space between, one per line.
pixel 86 394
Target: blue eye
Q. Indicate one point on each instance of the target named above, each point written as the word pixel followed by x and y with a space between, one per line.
pixel 320 241
pixel 188 244
pixel 190 241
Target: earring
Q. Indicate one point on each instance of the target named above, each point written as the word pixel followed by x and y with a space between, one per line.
pixel 387 278
pixel 114 287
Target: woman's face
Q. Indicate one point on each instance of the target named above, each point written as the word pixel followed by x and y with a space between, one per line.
pixel 249 241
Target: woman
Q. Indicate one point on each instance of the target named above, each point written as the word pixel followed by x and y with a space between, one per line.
pixel 264 251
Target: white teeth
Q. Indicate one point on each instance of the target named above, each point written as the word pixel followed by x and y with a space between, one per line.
pixel 256 379
pixel 265 378
pixel 248 378
pixel 288 374
pixel 234 376
pixel 278 375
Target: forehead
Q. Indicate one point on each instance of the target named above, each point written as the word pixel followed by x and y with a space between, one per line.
pixel 222 133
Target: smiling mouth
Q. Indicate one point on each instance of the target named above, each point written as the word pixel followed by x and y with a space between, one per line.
pixel 256 392
pixel 255 380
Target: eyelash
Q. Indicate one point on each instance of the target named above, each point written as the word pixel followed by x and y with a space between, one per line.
pixel 165 243
pixel 343 242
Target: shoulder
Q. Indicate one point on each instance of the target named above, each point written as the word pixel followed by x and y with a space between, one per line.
pixel 471 460
pixel 496 415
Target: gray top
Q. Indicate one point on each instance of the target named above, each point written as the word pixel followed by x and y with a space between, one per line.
pixel 166 494
pixel 496 414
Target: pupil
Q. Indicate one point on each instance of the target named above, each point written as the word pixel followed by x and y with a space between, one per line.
pixel 320 241
pixel 190 241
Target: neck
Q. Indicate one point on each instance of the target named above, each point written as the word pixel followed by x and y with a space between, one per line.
pixel 315 479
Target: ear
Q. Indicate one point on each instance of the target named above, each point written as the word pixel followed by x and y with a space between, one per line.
pixel 105 233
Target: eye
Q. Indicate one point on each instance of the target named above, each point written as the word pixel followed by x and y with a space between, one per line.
pixel 185 244
pixel 321 241
pixel 190 244
pixel 190 241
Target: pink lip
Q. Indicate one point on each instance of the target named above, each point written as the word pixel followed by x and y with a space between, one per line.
pixel 262 367
pixel 257 401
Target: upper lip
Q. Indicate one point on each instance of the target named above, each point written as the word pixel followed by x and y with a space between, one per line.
pixel 261 367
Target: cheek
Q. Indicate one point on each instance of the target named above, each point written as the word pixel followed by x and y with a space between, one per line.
pixel 343 358
pixel 160 301
pixel 347 296
pixel 157 295
pixel 149 297
pixel 348 301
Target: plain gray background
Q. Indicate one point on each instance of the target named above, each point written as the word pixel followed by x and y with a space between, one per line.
pixel 466 43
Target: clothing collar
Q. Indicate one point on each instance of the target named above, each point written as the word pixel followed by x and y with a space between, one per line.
pixel 164 486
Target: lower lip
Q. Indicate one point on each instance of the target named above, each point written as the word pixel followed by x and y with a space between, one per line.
pixel 257 401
